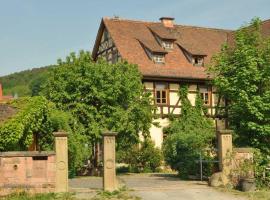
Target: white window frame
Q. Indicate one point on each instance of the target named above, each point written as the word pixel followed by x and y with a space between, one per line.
pixel 167 45
pixel 200 61
pixel 158 58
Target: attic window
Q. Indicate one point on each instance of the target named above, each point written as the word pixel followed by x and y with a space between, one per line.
pixel 197 61
pixel 167 45
pixel 158 58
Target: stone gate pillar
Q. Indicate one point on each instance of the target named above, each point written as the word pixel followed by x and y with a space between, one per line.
pixel 61 150
pixel 225 150
pixel 109 173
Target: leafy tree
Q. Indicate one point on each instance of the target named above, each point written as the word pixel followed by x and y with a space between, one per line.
pixel 242 75
pixel 101 96
pixel 188 136
pixel 36 84
pixel 79 147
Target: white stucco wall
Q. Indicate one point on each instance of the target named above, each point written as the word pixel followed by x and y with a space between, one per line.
pixel 156 133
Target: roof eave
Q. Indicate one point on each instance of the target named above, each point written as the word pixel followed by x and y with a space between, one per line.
pixel 98 38
pixel 175 78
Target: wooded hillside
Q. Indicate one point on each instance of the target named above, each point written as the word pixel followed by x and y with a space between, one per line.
pixel 20 82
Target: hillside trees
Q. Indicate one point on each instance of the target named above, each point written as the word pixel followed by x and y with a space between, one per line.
pixel 24 83
pixel 242 75
pixel 101 96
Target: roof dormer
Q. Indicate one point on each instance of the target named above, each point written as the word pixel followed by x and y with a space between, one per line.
pixel 164 36
pixel 153 51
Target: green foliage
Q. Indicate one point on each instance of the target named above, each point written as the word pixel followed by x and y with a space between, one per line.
pixel 121 194
pixel 35 85
pixel 101 96
pixel 260 163
pixel 79 148
pixel 48 196
pixel 254 167
pixel 36 115
pixel 242 74
pixel 146 158
pixel 188 136
pixel 17 132
pixel 24 83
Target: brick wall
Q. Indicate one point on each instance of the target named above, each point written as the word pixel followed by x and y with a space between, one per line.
pixel 30 171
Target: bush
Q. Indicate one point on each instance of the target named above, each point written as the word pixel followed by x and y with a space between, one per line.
pixel 79 148
pixel 262 176
pixel 146 158
pixel 188 136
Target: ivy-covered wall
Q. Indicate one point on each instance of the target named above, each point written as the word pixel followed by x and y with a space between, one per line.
pixel 16 133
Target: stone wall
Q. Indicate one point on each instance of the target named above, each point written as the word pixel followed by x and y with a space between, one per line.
pixel 29 171
pixel 243 158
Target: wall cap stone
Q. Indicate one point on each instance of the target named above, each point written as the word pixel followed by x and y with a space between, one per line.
pixel 26 153
pixel 224 131
pixel 243 150
pixel 109 133
pixel 60 134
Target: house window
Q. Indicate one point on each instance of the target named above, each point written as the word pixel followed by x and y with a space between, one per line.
pixel 198 61
pixel 106 35
pixel 158 58
pixel 161 93
pixel 205 95
pixel 167 45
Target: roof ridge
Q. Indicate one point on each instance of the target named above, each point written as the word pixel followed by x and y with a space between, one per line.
pixel 208 28
pixel 130 20
pixel 151 22
pixel 265 21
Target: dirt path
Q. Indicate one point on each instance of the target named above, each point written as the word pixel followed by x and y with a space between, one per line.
pixel 155 187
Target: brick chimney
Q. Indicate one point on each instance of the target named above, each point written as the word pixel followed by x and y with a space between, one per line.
pixel 167 21
pixel 1 92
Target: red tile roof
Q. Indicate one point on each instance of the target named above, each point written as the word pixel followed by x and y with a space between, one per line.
pixel 6 112
pixel 130 36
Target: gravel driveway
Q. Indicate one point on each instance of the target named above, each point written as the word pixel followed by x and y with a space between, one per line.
pixel 155 187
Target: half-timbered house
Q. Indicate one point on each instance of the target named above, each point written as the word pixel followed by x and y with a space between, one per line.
pixel 168 56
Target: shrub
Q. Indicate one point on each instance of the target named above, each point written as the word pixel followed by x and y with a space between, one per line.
pixel 79 148
pixel 262 176
pixel 146 158
pixel 188 136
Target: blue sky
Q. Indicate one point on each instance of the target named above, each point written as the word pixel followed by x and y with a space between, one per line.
pixel 35 33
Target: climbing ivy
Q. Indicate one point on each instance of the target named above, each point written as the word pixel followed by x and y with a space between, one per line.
pixel 188 135
pixel 17 132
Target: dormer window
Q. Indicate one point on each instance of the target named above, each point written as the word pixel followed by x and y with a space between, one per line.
pixel 167 45
pixel 197 61
pixel 158 58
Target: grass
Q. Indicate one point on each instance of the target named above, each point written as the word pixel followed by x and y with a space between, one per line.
pixel 121 194
pixel 47 196
pixel 259 195
pixel 256 195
